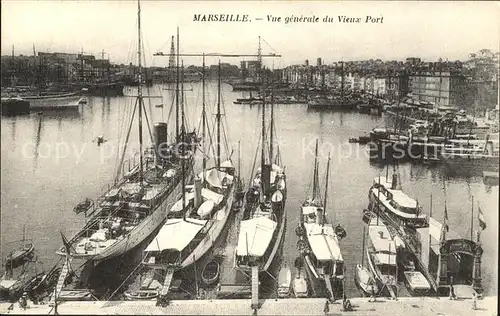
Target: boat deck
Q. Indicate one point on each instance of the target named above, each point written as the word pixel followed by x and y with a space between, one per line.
pixel 230 275
pixel 416 306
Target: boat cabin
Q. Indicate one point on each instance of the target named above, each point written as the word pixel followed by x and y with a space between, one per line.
pixel 406 210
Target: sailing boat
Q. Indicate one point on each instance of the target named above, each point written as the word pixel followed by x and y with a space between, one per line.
pixel 201 214
pixel 319 241
pixel 262 230
pixel 136 204
pixel 339 102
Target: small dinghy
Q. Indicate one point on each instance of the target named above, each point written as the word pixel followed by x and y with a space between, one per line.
pixel 210 273
pixel 364 281
pixel 284 281
pixel 299 284
pixel 83 206
pixel 20 256
pixel 140 295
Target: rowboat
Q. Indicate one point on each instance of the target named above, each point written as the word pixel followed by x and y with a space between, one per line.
pixel 299 284
pixel 364 280
pixel 83 206
pixel 210 273
pixel 284 281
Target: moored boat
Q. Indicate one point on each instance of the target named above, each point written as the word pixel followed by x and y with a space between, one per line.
pixel 381 255
pixel 364 280
pixel 261 234
pixel 136 204
pixel 284 281
pixel 416 283
pixel 20 256
pixel 319 242
pixel 299 285
pixel 199 217
pixel 211 272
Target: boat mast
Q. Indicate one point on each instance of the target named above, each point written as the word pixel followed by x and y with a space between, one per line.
pixel 239 161
pixel 271 136
pixel 315 170
pixel 262 157
pixel 183 146
pixel 203 113
pixel 363 251
pixel 218 119
pixel 326 186
pixel 139 88
pixel 177 92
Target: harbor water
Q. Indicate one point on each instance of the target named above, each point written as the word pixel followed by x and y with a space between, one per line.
pixel 51 162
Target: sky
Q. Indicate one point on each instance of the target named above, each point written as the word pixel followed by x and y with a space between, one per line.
pixel 430 30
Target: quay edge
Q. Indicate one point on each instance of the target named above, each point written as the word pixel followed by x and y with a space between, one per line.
pixel 407 306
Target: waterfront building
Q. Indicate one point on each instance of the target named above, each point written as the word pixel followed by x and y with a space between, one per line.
pixel 441 88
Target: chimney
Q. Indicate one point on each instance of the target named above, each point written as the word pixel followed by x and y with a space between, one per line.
pixel 197 192
pixel 319 214
pixel 381 234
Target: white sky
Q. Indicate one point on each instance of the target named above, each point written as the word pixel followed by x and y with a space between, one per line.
pixel 423 29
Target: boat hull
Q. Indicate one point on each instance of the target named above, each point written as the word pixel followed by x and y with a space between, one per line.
pixel 213 233
pixel 58 102
pixel 147 227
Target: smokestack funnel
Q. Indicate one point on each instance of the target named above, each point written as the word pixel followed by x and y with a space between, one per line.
pixel 197 192
pixel 394 181
pixel 319 216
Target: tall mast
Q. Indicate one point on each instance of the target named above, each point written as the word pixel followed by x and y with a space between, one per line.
pixel 271 136
pixel 183 144
pixel 262 157
pixel 203 114
pixel 363 251
pixel 177 91
pixel 259 60
pixel 315 170
pixel 139 88
pixel 326 186
pixel 218 119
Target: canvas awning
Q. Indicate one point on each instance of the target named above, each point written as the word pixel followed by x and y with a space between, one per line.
pixel 323 242
pixel 255 236
pixel 176 234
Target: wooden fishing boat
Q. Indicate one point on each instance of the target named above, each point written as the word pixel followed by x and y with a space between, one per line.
pixel 284 281
pixel 83 206
pixel 211 272
pixel 141 295
pixel 20 256
pixel 364 280
pixel 299 284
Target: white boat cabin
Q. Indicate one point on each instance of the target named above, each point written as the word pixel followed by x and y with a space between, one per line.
pixel 396 202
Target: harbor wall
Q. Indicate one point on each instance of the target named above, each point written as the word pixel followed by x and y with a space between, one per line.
pixel 417 306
